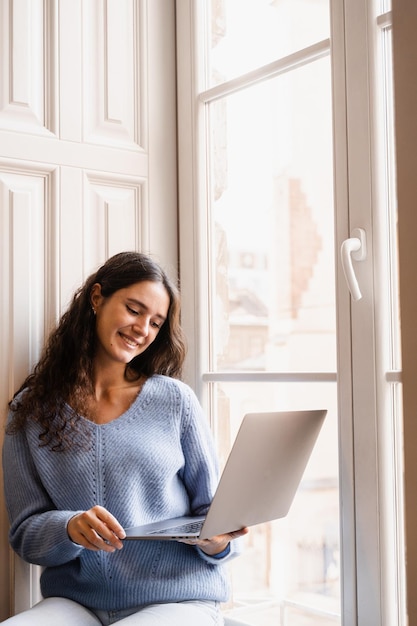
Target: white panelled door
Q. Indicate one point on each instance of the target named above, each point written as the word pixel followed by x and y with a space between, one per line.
pixel 87 168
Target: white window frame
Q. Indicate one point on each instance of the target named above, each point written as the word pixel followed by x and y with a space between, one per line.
pixel 371 536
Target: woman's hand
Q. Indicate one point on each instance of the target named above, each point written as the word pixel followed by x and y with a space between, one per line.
pixel 217 544
pixel 96 529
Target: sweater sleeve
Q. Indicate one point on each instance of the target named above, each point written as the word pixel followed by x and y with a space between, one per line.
pixel 38 531
pixel 201 473
pixel 233 550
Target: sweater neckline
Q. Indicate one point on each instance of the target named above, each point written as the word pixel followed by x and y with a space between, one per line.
pixel 142 398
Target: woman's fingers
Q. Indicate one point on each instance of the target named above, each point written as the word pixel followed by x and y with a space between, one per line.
pixel 217 544
pixel 96 529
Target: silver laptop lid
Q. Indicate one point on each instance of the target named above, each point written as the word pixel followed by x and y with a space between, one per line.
pixel 264 469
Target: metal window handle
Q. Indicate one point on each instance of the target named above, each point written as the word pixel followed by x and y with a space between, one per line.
pixel 353 248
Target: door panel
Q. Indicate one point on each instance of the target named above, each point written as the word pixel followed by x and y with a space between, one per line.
pixel 25 80
pixel 115 212
pixel 23 220
pixel 112 73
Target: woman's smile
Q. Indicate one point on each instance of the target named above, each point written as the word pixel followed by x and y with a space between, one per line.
pixel 129 341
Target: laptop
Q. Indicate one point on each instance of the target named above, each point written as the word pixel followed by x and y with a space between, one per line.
pixel 259 481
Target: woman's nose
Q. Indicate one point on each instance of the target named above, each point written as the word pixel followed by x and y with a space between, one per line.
pixel 141 326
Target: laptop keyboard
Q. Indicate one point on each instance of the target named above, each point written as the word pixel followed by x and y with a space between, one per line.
pixel 183 529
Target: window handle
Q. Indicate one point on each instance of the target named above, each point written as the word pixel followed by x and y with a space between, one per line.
pixel 354 249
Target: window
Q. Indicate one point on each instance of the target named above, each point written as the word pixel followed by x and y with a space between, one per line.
pixel 268 191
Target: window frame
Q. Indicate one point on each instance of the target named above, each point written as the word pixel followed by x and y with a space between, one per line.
pixel 366 520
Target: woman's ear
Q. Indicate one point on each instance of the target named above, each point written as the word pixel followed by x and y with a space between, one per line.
pixel 95 296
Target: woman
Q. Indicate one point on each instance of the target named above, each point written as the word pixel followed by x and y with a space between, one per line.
pixel 102 436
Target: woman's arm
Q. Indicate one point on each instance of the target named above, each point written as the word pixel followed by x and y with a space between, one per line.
pixel 201 477
pixel 38 531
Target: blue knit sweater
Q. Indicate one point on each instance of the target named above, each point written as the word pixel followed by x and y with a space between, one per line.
pixel 155 461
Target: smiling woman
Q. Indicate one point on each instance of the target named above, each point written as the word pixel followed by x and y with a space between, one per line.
pixel 103 435
pixel 71 369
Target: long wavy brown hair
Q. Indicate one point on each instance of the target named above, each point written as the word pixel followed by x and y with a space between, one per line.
pixel 63 377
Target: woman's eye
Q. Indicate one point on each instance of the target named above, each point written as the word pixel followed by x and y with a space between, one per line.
pixel 132 311
pixel 156 325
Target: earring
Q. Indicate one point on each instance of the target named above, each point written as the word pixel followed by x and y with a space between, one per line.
pixel 93 310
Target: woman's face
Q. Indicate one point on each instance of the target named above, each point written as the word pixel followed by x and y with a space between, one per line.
pixel 128 321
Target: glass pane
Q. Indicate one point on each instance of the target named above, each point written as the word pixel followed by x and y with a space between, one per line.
pixel 246 34
pixel 272 225
pixel 289 570
pixel 384 6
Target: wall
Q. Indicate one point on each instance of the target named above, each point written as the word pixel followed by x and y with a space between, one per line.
pixel 405 55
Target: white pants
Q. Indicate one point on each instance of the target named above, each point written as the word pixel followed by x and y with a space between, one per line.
pixel 64 612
